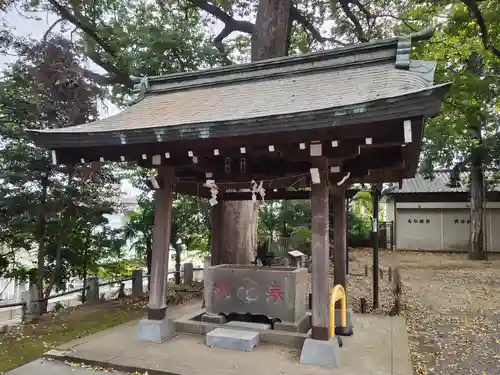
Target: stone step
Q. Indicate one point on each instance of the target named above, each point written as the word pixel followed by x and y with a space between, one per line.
pixel 224 338
pixel 249 325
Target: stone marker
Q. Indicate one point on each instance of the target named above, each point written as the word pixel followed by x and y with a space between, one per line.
pixel 137 283
pixel 93 290
pixel 223 338
pixel 188 274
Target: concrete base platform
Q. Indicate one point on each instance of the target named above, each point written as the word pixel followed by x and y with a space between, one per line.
pixel 155 330
pixel 379 347
pixel 248 325
pixel 223 338
pixel 191 324
pixel 213 318
pixel 320 353
pixel 302 325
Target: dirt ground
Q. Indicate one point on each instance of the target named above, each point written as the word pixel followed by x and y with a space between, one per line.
pixel 452 307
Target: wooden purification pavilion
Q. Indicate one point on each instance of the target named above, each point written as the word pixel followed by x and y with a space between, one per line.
pixel 320 120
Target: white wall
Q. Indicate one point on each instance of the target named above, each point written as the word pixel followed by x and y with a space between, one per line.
pixel 442 225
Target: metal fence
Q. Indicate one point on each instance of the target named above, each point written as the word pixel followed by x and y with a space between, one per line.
pixel 14 312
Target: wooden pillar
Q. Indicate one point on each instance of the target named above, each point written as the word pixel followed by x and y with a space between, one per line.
pixel 347 202
pixel 161 243
pixel 339 236
pixel 375 239
pixel 217 228
pixel 320 263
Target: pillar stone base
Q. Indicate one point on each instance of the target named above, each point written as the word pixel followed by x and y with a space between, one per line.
pixel 349 319
pixel 156 331
pixel 321 353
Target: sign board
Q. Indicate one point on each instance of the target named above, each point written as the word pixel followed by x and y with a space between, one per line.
pixel 296 253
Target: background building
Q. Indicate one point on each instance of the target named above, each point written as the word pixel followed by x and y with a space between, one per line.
pixel 431 215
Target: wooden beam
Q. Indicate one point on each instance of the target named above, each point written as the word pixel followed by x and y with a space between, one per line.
pixel 339 142
pixel 320 263
pixel 267 169
pixel 280 194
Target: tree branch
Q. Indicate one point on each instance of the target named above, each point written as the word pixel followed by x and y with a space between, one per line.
pixel 214 10
pixel 82 25
pixel 96 77
pixel 230 25
pixel 220 46
pixel 49 30
pixel 350 14
pixel 121 77
pixel 297 15
pixel 483 29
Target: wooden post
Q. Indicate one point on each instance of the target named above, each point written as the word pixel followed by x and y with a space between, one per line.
pixel 217 217
pixel 339 225
pixel 161 243
pixel 320 246
pixel 375 273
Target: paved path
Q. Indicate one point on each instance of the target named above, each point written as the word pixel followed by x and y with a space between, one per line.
pixel 379 347
pixel 45 367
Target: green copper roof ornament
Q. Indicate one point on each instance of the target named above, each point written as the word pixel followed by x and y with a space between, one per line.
pixel 142 87
pixel 404 46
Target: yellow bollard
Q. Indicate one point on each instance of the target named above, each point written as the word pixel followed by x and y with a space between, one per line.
pixel 338 293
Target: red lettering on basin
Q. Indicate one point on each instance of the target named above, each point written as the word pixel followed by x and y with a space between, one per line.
pixel 274 292
pixel 221 289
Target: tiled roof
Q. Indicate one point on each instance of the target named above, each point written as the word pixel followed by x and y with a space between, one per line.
pixel 261 98
pixel 350 85
pixel 440 184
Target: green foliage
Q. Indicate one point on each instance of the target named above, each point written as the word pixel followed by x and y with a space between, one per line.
pixel 190 225
pixel 302 239
pixel 119 269
pixel 58 213
pixel 138 232
pixel 469 118
pixel 282 217
pixel 58 307
pixel 359 228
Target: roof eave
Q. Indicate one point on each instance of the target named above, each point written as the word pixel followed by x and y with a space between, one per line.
pixel 425 103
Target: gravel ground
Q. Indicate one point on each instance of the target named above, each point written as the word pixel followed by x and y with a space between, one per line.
pixel 451 304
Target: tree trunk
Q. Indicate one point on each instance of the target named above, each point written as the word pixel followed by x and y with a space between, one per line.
pixel 41 229
pixel 269 39
pixel 85 268
pixel 477 249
